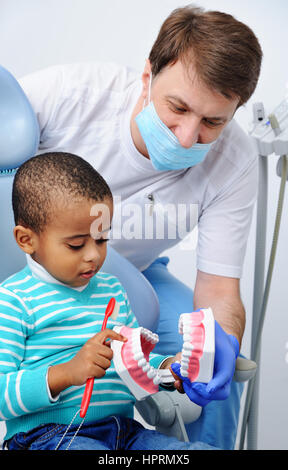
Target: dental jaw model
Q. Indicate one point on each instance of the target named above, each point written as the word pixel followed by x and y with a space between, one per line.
pixel 198 330
pixel 131 360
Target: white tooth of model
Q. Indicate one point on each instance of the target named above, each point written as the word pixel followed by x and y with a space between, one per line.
pixel 142 362
pixel 186 337
pixel 151 373
pixel 138 355
pixel 146 366
pixel 157 380
pixel 155 338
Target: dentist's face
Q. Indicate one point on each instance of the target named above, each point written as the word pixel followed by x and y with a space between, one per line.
pixel 193 112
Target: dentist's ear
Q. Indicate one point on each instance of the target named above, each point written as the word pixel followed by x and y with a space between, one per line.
pixel 25 238
pixel 146 76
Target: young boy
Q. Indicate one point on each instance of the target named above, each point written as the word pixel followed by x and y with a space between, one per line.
pixel 51 317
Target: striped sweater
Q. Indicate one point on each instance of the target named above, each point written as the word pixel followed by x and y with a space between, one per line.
pixel 43 324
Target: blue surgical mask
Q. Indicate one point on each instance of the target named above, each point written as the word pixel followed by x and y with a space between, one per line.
pixel 163 147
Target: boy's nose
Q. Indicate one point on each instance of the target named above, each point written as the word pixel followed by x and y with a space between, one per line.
pixel 91 254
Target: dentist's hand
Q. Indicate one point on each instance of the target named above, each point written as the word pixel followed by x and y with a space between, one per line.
pixel 226 353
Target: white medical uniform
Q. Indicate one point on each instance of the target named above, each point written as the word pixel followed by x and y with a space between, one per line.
pixel 86 109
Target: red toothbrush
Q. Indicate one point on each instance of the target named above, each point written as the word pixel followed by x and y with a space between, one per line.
pixel 111 310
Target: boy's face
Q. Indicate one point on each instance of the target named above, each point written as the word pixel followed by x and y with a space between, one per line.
pixel 66 248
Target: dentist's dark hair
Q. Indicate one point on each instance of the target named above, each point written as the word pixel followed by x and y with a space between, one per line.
pixel 225 52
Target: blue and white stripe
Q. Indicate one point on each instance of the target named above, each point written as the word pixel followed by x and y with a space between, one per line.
pixel 43 324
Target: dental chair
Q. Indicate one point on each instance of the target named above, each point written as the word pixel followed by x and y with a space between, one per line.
pixel 168 412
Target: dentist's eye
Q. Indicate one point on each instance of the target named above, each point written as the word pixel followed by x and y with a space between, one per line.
pixel 209 123
pixel 178 109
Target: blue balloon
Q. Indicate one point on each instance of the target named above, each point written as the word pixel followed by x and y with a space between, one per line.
pixel 19 129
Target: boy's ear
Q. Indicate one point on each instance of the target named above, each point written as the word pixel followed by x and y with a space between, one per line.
pixel 25 238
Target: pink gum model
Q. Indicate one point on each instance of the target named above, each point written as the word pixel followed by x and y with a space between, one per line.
pixel 198 329
pixel 131 360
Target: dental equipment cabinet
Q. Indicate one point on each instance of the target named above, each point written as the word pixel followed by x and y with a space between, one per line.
pixel 271 138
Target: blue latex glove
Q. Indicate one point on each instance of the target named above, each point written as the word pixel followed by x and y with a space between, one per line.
pixel 226 352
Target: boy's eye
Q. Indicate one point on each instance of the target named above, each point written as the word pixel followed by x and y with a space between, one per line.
pixel 100 241
pixel 76 247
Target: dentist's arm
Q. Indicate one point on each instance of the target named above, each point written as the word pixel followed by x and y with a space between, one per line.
pixel 222 294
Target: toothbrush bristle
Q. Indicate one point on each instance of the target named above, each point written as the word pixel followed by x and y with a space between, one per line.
pixel 115 311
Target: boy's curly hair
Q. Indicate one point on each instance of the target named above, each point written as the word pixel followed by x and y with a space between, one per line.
pixel 53 177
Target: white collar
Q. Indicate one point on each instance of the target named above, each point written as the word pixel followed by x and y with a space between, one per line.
pixel 40 273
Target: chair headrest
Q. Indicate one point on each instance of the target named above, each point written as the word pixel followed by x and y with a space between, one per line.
pixel 19 129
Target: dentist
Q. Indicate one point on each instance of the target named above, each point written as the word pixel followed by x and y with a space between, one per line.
pixel 168 138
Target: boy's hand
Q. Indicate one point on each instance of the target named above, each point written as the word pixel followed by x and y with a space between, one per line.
pixel 93 359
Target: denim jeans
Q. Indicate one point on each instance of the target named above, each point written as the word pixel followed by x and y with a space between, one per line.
pixel 112 433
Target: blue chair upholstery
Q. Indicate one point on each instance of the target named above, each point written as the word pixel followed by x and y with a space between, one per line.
pixel 19 139
pixel 19 130
pixel 12 258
